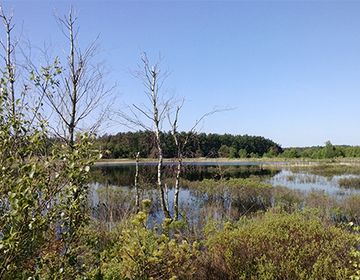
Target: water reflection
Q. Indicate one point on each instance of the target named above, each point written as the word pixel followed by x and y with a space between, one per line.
pixel 305 178
pixel 110 195
pixel 123 175
pixel 306 181
pixel 113 197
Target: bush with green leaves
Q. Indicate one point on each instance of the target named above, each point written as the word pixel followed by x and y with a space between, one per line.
pixel 143 253
pixel 356 254
pixel 42 199
pixel 278 245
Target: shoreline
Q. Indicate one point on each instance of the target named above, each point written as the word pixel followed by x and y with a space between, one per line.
pixel 263 161
pixel 201 160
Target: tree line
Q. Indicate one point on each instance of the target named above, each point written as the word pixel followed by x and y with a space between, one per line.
pixel 212 145
pixel 322 152
pixel 128 144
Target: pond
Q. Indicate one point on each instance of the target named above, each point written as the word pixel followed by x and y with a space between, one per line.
pixel 113 195
pixel 124 174
pixel 302 177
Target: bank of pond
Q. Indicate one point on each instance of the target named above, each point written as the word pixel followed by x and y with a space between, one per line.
pixel 236 222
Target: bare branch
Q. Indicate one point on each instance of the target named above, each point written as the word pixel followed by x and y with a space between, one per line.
pixel 215 110
pixel 9 49
pixel 81 91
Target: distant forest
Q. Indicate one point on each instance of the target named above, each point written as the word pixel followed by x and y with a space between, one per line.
pixel 128 144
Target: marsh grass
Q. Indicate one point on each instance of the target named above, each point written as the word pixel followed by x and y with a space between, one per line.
pixel 352 182
pixel 291 178
pixel 327 169
pixel 245 230
pixel 234 197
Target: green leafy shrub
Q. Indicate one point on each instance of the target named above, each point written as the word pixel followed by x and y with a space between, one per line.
pixel 356 254
pixel 288 199
pixel 320 203
pixel 351 208
pixel 42 199
pixel 278 245
pixel 143 253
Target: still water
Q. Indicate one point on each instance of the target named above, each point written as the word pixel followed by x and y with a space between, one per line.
pixel 307 181
pixel 276 174
pixel 113 197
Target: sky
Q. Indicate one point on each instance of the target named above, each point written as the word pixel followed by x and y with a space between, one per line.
pixel 289 70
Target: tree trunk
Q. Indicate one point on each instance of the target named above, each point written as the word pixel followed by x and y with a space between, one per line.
pixel 158 141
pixel 10 67
pixel 159 179
pixel 74 80
pixel 10 70
pixel 177 189
pixel 137 199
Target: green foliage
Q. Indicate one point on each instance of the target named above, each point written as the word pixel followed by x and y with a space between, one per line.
pixel 232 152
pixel 329 151
pixel 292 153
pixel 142 253
pixel 224 151
pixel 243 153
pixel 353 151
pixel 42 200
pixel 320 203
pixel 126 145
pixel 254 155
pixel 270 153
pixel 356 254
pixel 288 199
pixel 277 245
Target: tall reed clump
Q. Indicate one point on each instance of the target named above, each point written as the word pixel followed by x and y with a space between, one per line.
pixel 233 197
pixel 277 245
pixel 349 183
pixel 351 208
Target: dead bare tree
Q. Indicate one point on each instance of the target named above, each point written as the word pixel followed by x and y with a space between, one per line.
pixel 161 107
pixel 180 146
pixel 152 79
pixel 81 90
pixel 9 49
pixel 137 199
pixel 16 96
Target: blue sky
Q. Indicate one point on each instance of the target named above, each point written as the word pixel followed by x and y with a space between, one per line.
pixel 290 69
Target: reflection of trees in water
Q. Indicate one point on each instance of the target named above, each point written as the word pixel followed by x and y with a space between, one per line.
pixel 204 198
pixel 124 175
pixel 113 175
pixel 239 171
